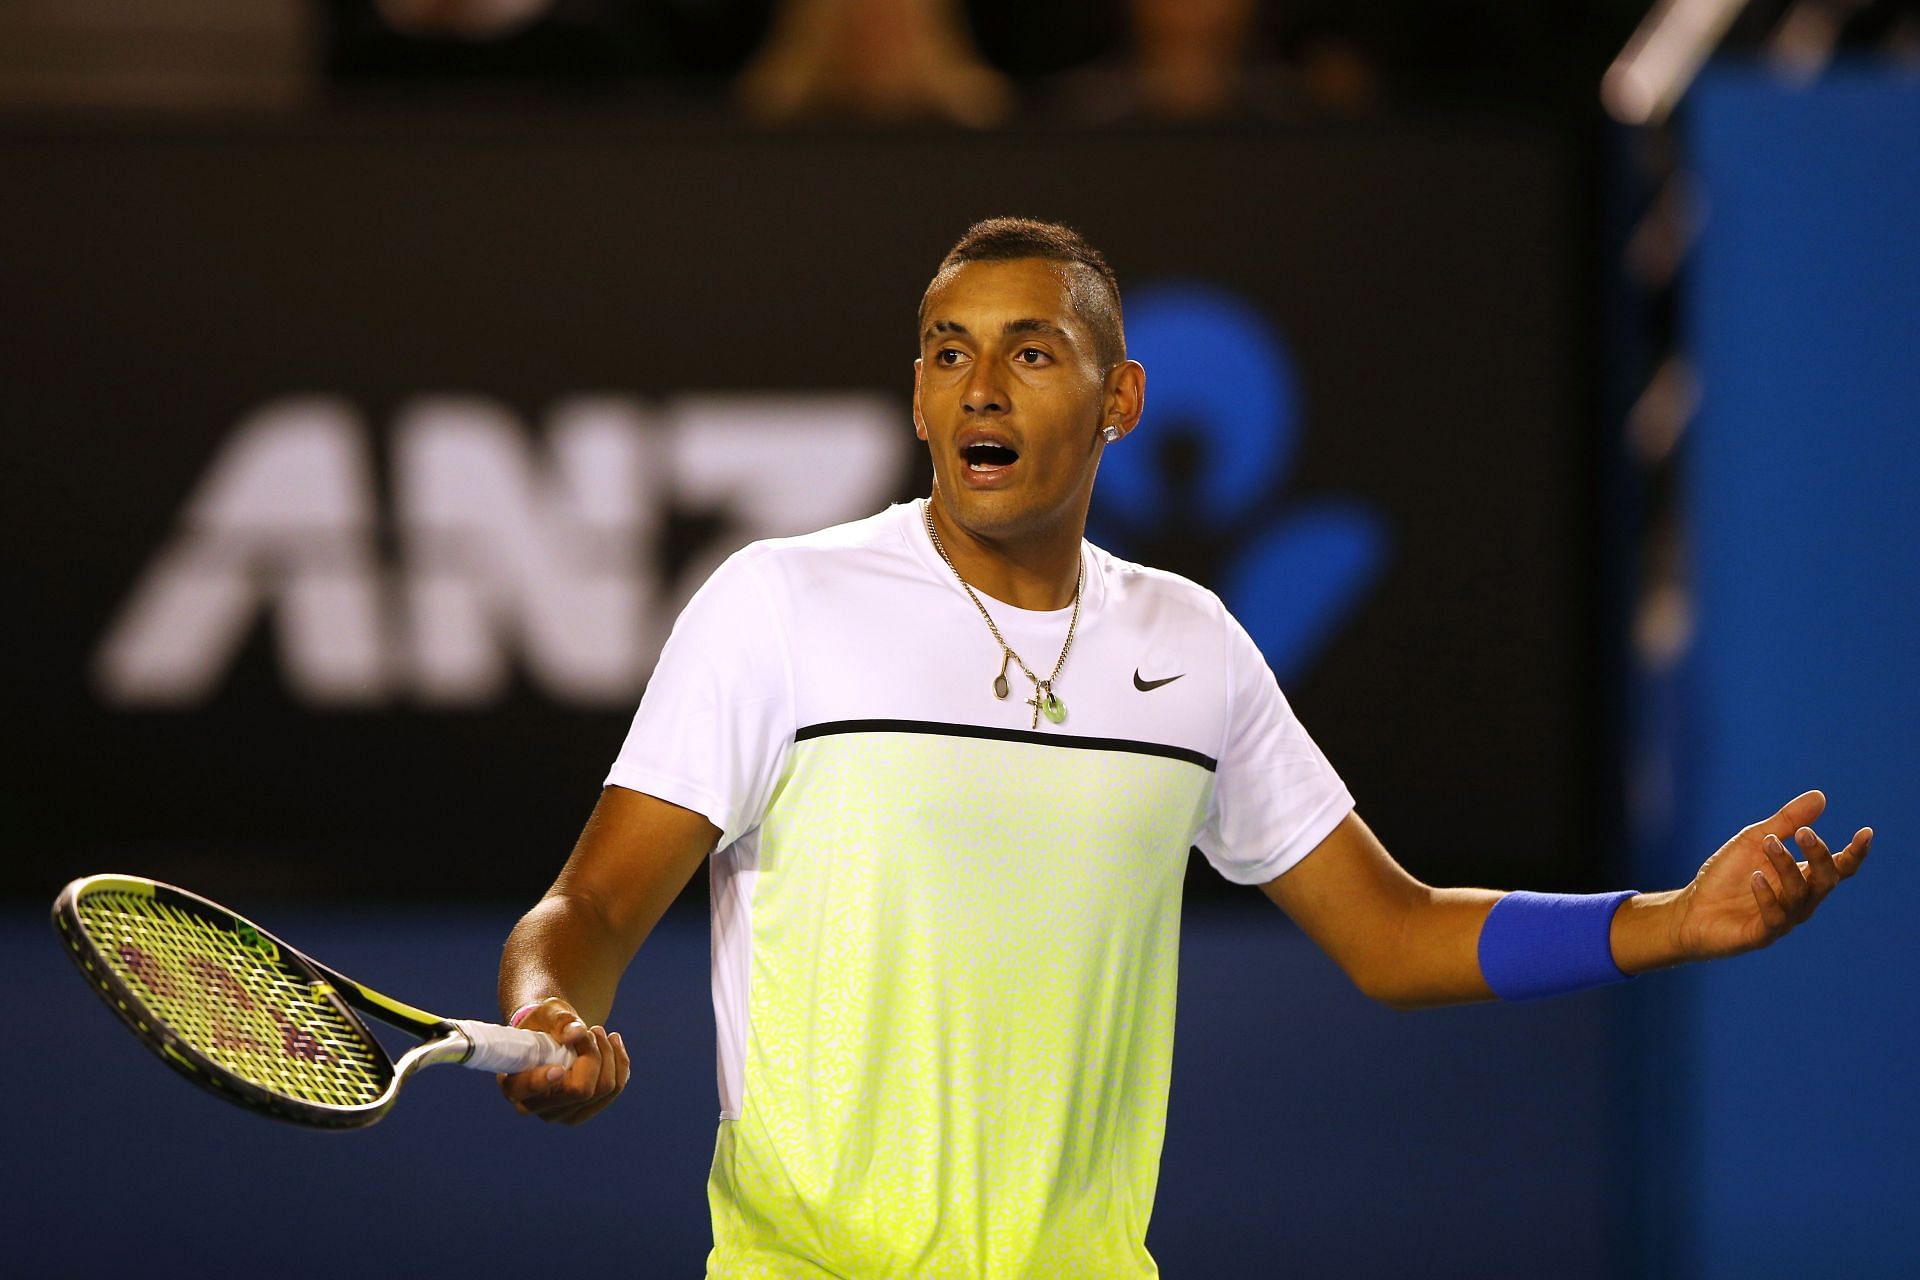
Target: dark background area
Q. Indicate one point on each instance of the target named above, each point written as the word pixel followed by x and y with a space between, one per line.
pixel 1425 283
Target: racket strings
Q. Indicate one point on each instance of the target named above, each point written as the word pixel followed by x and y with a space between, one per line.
pixel 223 990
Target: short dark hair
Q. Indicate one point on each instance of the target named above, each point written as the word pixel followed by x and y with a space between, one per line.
pixel 1092 288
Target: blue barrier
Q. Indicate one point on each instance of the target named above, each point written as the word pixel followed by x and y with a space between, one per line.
pixel 1803 320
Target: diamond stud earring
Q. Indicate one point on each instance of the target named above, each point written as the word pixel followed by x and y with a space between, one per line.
pixel 1111 432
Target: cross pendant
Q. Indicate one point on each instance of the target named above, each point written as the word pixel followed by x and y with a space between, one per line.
pixel 1044 699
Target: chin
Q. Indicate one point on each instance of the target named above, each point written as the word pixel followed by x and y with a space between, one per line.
pixel 999 516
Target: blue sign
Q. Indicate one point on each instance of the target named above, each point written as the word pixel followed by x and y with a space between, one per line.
pixel 1201 488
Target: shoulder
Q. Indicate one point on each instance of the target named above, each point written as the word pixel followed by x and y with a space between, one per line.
pixel 807 564
pixel 1158 595
pixel 841 544
pixel 875 532
pixel 763 590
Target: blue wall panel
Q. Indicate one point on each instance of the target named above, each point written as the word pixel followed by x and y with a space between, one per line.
pixel 1803 481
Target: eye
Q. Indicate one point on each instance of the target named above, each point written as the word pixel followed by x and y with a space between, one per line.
pixel 946 356
pixel 1031 356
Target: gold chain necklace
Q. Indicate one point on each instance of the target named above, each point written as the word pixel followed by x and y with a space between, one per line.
pixel 1044 699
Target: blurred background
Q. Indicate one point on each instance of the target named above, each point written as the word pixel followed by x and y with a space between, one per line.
pixel 1538 383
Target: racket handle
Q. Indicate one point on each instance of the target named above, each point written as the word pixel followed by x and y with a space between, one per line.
pixel 509 1049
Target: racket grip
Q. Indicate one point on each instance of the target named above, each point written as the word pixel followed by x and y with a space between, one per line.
pixel 509 1049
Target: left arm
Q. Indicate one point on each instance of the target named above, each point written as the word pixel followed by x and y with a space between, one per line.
pixel 1412 946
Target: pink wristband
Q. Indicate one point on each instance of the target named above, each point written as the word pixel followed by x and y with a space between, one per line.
pixel 522 1012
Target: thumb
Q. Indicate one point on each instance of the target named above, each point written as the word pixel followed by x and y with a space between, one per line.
pixel 1796 813
pixel 561 1021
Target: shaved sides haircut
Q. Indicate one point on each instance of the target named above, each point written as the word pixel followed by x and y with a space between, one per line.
pixel 1092 288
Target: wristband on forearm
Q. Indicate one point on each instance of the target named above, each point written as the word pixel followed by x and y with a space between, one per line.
pixel 1549 944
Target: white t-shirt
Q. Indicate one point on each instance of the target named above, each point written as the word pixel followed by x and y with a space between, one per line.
pixel 944 940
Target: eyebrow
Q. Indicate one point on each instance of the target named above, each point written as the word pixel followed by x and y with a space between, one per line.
pixel 1030 325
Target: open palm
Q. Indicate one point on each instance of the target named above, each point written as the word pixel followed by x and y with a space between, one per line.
pixel 1752 891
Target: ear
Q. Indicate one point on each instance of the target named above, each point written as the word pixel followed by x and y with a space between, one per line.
pixel 1126 396
pixel 919 423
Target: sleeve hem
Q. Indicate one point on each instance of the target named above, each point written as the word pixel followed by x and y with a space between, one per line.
pixel 1306 838
pixel 673 790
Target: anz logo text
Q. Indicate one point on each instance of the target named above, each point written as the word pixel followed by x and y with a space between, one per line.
pixel 481 548
pixel 1200 489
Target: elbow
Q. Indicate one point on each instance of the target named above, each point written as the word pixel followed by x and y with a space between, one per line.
pixel 1393 976
pixel 1381 985
pixel 1403 1003
pixel 1381 995
pixel 1396 996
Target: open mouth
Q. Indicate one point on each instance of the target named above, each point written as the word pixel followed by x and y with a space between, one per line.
pixel 985 456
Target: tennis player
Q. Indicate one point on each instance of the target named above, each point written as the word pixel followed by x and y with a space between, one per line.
pixel 947 763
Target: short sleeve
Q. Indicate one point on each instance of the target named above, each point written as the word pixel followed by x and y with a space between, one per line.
pixel 1275 796
pixel 716 722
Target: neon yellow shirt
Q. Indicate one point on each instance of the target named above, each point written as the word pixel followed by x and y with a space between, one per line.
pixel 946 941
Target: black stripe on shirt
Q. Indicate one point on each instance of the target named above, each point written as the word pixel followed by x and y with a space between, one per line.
pixel 944 730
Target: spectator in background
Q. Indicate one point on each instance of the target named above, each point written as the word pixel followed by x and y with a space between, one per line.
pixel 893 60
pixel 188 55
pixel 541 46
pixel 1202 61
pixel 467 19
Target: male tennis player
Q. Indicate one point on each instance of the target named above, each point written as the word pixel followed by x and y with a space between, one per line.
pixel 947 763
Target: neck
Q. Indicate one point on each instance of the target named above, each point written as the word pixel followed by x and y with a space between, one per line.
pixel 1029 572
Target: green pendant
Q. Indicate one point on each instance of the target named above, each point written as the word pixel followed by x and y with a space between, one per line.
pixel 1054 709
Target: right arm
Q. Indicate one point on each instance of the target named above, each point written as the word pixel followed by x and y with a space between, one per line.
pixel 633 858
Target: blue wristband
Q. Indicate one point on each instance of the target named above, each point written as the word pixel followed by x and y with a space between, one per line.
pixel 1547 944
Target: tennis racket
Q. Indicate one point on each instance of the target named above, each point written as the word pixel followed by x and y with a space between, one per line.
pixel 250 1019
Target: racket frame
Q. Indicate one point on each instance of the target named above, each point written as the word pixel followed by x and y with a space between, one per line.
pixel 443 1041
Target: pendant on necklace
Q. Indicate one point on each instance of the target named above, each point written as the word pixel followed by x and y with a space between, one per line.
pixel 1000 681
pixel 1046 702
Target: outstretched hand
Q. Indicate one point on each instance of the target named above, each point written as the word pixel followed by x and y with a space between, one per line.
pixel 1752 891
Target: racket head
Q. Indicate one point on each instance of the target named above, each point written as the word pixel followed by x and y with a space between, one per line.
pixel 225 1003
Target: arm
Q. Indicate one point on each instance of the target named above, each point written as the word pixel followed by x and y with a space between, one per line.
pixel 1399 941
pixel 567 954
pixel 1412 946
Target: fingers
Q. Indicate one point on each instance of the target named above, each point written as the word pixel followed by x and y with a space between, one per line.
pixel 561 1092
pixel 1785 892
pixel 1790 887
pixel 622 1071
pixel 599 1081
pixel 569 1095
pixel 1820 872
pixel 551 1093
pixel 600 1071
pixel 1790 894
pixel 537 1090
pixel 1773 916
pixel 1848 860
pixel 1824 869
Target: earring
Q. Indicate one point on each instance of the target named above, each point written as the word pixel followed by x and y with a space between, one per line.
pixel 1111 432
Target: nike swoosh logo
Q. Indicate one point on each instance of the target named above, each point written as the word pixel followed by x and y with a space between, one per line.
pixel 1147 686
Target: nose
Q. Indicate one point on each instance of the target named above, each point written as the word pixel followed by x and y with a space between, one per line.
pixel 985 393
